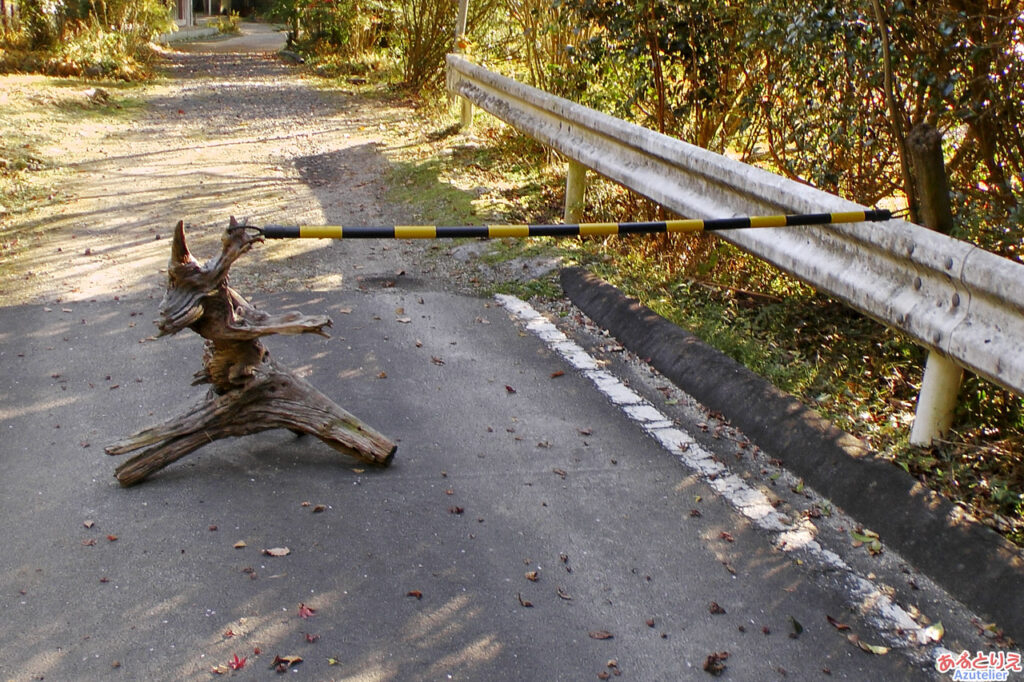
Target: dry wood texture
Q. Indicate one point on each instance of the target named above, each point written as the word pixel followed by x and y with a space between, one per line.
pixel 249 392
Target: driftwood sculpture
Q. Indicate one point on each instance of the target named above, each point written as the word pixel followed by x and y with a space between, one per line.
pixel 249 392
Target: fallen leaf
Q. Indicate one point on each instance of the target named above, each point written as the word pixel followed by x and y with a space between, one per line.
pixel 403 320
pixel 282 663
pixel 836 624
pixel 695 513
pixel 112 538
pixel 436 360
pixel 306 611
pixel 332 661
pixel 220 670
pixel 932 633
pixel 870 648
pixel 524 602
pixel 88 524
pixel 227 634
pixel 562 594
pixel 414 593
pixel 559 373
pixel 797 628
pixel 562 473
pixel 240 544
pixel 715 662
pixel 650 622
pixel 714 608
pixel 509 389
pixel 600 634
pixel 311 638
pixel 277 551
pixel 455 510
pixel 532 576
pixel 236 663
pixel 584 432
pixel 382 375
pixel 727 536
pixel 320 508
pixel 604 675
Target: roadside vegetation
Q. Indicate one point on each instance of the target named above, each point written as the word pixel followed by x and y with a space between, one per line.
pixel 824 93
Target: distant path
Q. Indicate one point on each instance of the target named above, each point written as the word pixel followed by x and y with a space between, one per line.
pixel 233 130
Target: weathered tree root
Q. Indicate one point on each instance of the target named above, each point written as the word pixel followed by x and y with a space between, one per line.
pixel 250 392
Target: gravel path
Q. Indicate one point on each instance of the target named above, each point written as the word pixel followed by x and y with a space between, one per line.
pixel 233 130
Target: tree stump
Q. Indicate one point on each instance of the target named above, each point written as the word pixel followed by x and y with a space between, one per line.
pixel 249 392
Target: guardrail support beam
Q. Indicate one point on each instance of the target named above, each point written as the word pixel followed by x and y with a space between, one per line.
pixel 942 377
pixel 575 191
pixel 466 117
pixel 936 402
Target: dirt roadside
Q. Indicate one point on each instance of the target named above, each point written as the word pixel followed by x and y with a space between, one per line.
pixel 232 130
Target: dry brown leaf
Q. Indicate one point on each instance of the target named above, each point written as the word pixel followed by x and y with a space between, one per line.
pixel 600 634
pixel 277 551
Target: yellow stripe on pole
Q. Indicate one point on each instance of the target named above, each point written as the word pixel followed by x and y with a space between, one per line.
pixel 691 225
pixel 847 217
pixel 589 229
pixel 415 231
pixel 496 231
pixel 768 221
pixel 321 231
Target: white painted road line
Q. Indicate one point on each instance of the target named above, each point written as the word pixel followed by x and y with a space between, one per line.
pixel 889 618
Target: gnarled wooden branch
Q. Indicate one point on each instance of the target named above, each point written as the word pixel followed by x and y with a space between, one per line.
pixel 249 392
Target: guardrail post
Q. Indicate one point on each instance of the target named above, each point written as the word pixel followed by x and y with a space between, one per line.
pixel 466 116
pixel 575 190
pixel 941 383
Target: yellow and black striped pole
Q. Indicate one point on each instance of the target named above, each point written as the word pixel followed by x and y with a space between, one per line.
pixel 572 230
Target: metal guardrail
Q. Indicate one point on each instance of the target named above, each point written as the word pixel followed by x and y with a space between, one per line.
pixel 951 296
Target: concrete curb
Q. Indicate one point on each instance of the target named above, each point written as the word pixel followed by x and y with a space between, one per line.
pixel 972 562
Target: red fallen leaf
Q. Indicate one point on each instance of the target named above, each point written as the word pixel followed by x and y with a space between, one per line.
pixel 455 510
pixel 836 624
pixel 256 651
pixel 414 593
pixel 310 637
pixel 727 536
pixel 112 538
pixel 650 622
pixel 559 373
pixel 714 608
pixel 695 513
pixel 509 389
pixel 600 634
pixel 236 663
pixel 715 662
pixel 104 579
pixel 229 633
pixel 306 611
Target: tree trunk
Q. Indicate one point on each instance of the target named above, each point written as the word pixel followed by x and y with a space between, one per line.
pixel 249 392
